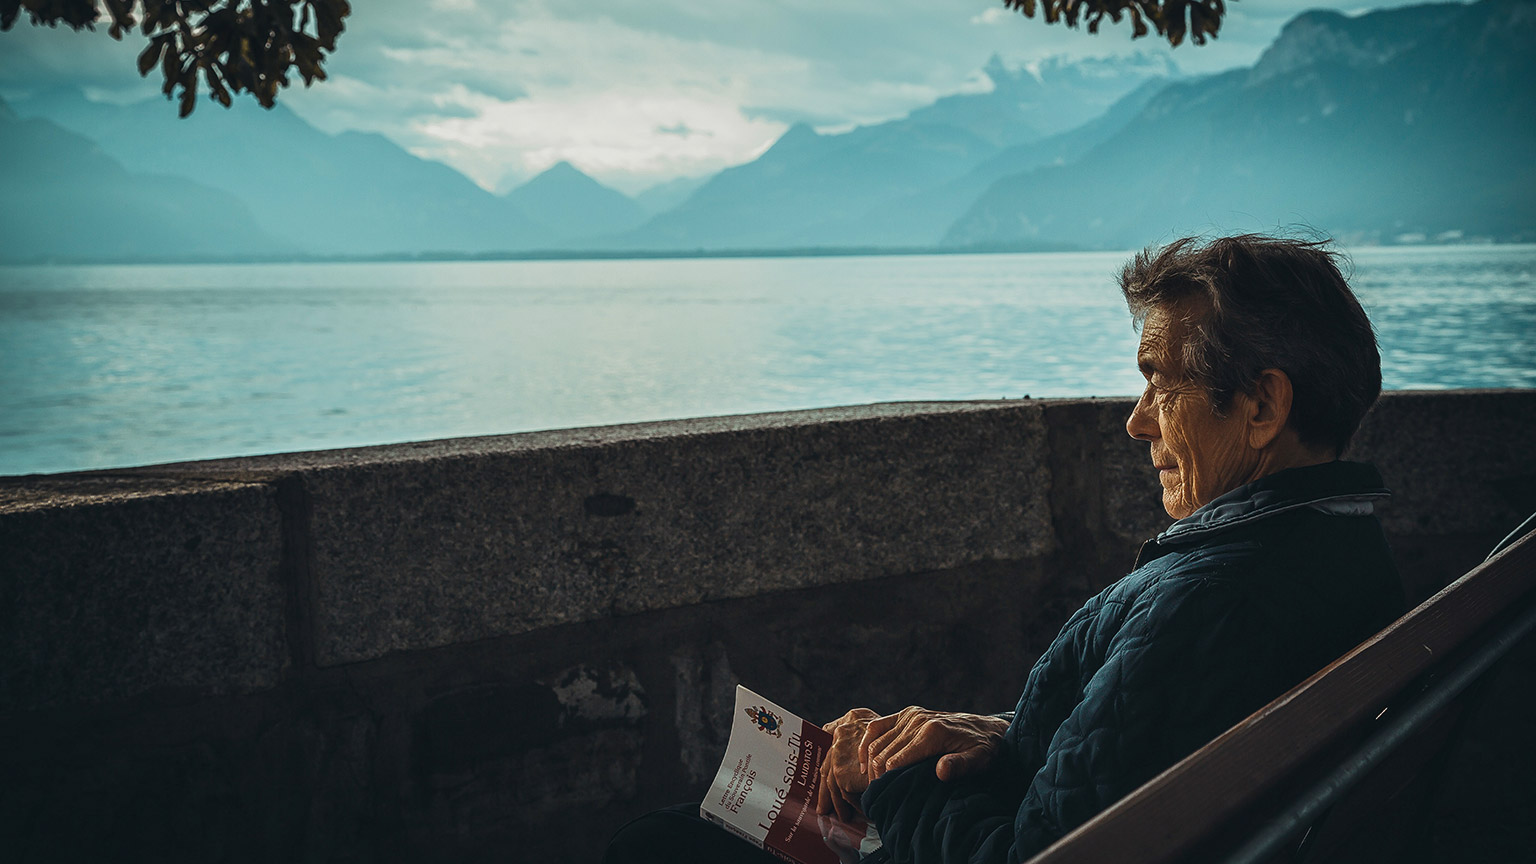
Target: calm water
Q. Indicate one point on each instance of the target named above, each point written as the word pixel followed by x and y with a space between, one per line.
pixel 111 366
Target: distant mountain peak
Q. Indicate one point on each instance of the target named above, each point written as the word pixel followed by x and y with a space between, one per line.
pixel 565 169
pixel 995 68
pixel 573 204
pixel 1005 78
pixel 797 140
pixel 561 175
pixel 796 134
pixel 1137 64
pixel 1058 68
pixel 1051 96
pixel 1323 35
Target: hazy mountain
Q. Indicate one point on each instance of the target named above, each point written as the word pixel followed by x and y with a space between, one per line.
pixel 573 205
pixel 65 198
pixel 666 195
pixel 806 179
pixel 820 190
pixel 1407 121
pixel 1048 98
pixel 921 219
pixel 1364 42
pixel 352 193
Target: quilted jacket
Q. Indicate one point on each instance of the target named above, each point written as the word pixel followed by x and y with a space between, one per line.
pixel 1227 609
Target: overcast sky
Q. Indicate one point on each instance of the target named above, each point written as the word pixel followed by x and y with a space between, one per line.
pixel 639 91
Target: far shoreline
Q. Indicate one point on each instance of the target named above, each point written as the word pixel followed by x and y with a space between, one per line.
pixel 653 254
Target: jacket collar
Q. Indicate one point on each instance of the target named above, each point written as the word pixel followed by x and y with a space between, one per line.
pixel 1338 488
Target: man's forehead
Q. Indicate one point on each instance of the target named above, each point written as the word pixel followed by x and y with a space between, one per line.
pixel 1161 333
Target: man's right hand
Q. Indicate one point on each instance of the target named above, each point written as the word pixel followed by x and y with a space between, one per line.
pixel 842 780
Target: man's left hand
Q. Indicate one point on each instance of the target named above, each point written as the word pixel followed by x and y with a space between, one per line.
pixel 965 743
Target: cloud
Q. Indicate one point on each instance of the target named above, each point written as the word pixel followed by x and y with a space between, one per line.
pixel 34 57
pixel 518 86
pixel 501 89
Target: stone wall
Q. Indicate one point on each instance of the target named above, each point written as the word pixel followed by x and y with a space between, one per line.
pixel 501 648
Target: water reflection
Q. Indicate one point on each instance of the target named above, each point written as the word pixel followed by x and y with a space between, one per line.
pixel 106 366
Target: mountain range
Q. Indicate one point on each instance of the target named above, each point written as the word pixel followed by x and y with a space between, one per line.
pixel 884 185
pixel 1407 122
pixel 349 194
pixel 65 198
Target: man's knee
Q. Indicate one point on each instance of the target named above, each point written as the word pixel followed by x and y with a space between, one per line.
pixel 673 834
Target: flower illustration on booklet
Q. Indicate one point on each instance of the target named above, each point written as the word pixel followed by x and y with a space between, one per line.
pixel 765 791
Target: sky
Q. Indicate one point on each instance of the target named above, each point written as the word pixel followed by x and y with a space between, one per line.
pixel 639 92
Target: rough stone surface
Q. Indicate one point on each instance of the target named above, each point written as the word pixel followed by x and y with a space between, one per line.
pixel 704 706
pixel 1457 463
pixel 109 591
pixel 1462 473
pixel 431 552
pixel 53 491
pixel 1105 499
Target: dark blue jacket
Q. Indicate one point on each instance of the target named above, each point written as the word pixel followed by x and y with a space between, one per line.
pixel 1227 609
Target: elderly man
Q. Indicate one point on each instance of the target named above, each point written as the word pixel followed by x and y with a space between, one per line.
pixel 1259 365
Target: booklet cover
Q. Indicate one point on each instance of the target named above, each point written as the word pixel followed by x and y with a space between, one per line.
pixel 765 791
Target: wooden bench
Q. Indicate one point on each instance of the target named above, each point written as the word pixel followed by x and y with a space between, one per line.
pixel 1300 779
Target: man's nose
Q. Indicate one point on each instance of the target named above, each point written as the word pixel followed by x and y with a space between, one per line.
pixel 1141 425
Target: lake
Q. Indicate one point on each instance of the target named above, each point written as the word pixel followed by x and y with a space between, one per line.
pixel 108 366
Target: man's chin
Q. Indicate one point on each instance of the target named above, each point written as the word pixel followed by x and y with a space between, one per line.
pixel 1175 505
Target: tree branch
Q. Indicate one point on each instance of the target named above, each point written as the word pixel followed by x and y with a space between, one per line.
pixel 1167 17
pixel 235 46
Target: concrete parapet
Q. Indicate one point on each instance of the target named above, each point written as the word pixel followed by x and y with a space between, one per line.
pixel 1457 462
pixel 114 587
pixel 421 545
pixel 503 647
pixel 432 551
pixel 1462 472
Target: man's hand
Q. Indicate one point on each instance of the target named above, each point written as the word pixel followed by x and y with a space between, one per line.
pixel 966 743
pixel 842 780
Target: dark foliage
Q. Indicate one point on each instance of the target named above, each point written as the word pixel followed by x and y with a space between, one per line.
pixel 234 45
pixel 1167 17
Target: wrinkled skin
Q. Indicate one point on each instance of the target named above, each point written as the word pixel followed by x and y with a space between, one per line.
pixel 1198 454
pixel 865 746
pixel 843 778
pixel 965 743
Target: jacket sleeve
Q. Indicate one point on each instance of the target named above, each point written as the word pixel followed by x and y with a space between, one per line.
pixel 1191 658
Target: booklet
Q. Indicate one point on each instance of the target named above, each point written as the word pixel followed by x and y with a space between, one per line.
pixel 765 791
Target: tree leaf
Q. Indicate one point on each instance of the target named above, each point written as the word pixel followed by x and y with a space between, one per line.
pixel 149 57
pixel 9 9
pixel 168 67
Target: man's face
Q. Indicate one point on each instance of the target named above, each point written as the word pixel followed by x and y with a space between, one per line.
pixel 1199 456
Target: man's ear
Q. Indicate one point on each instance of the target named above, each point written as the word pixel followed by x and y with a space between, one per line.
pixel 1271 408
